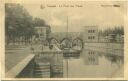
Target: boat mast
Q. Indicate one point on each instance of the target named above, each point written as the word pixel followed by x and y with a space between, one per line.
pixel 67 26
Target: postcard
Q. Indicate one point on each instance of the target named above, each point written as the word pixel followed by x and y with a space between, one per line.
pixel 64 39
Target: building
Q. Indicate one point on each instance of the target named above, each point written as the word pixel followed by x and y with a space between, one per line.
pixel 42 32
pixel 91 34
pixel 103 39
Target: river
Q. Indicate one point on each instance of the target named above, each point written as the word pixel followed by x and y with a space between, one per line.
pixel 93 64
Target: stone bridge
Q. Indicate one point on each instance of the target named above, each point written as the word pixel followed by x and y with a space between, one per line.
pixel 66 42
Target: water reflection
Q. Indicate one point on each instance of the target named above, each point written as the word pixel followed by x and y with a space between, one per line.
pixel 118 60
pixel 94 64
pixel 90 57
pixel 89 64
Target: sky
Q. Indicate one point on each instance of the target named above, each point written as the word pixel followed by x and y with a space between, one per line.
pixel 100 14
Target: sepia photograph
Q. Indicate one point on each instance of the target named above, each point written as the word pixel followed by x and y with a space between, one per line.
pixel 64 80
pixel 65 39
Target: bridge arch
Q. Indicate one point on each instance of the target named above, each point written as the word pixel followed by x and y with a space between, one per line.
pixel 78 42
pixel 66 43
pixel 53 41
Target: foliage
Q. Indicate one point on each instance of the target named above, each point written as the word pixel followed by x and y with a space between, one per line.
pixel 116 30
pixel 19 23
pixel 39 22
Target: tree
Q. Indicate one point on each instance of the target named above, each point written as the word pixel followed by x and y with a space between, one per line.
pixel 116 30
pixel 39 22
pixel 18 22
